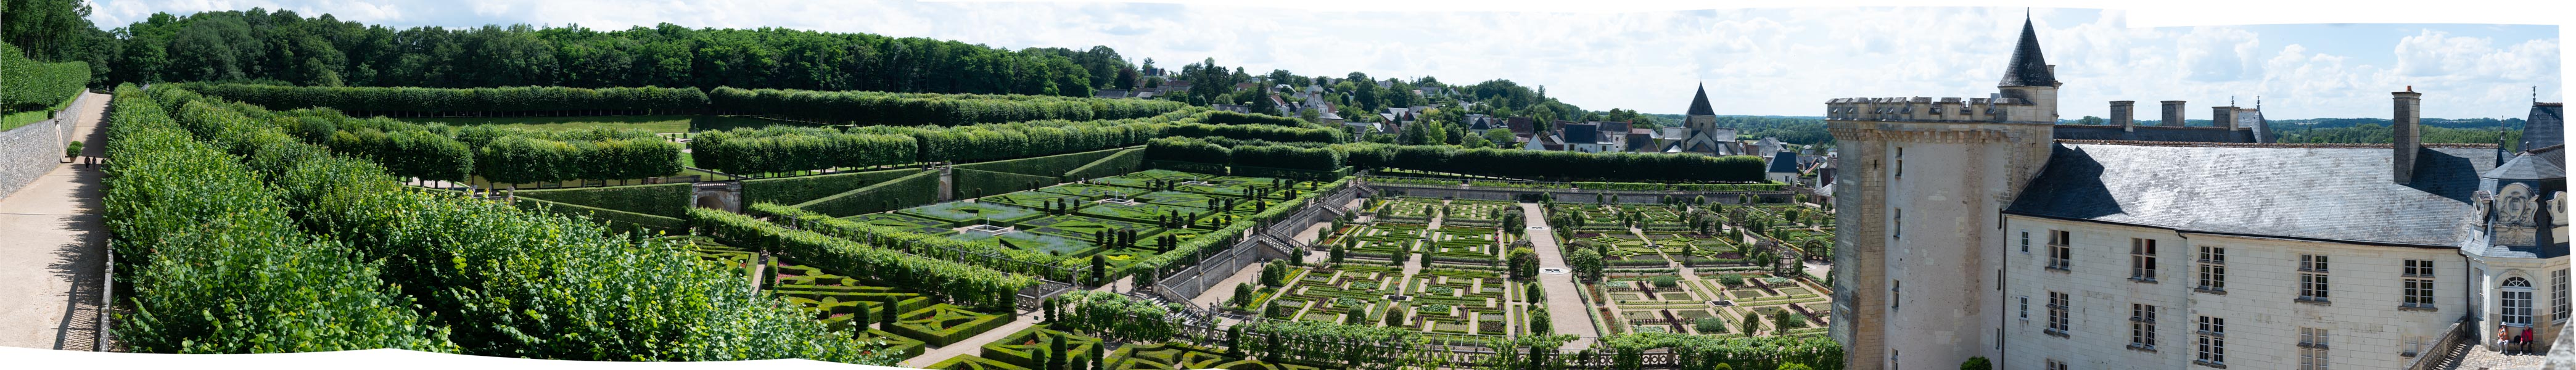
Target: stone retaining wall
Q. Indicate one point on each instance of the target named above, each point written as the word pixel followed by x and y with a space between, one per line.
pixel 30 151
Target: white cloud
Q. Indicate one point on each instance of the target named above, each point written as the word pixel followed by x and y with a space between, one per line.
pixel 1782 61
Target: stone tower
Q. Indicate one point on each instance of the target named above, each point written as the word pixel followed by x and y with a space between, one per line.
pixel 1917 258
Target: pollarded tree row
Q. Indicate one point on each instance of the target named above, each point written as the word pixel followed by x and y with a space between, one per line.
pixel 488 101
pixel 887 108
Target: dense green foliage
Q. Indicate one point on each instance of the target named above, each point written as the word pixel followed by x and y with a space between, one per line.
pixel 1125 161
pixel 1445 158
pixel 510 282
pixel 217 266
pixel 1243 153
pixel 1352 346
pixel 666 200
pixel 370 101
pixel 966 285
pixel 800 189
pixel 35 85
pixel 886 108
pixel 1117 317
pixel 2376 133
pixel 323 51
pixel 970 183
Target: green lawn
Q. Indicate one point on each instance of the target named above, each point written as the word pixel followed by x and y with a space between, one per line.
pixel 659 123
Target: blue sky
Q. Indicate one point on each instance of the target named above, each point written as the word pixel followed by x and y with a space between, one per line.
pixel 1773 61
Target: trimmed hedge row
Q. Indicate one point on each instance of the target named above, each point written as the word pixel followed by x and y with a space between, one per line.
pixel 1049 166
pixel 966 285
pixel 522 159
pixel 217 266
pixel 1019 261
pixel 787 148
pixel 1259 132
pixel 37 86
pixel 1555 164
pixel 511 282
pixel 976 184
pixel 476 101
pixel 1244 153
pixel 887 108
pixel 666 200
pixel 905 192
pixel 623 221
pixel 800 189
pixel 1126 161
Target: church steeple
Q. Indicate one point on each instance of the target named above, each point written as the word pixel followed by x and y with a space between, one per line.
pixel 1699 103
pixel 2028 68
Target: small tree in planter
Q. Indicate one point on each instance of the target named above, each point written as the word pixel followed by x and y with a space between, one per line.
pixel 1977 363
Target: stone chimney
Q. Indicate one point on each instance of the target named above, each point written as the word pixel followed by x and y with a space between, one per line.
pixel 2223 117
pixel 2173 114
pixel 2403 133
pixel 2124 113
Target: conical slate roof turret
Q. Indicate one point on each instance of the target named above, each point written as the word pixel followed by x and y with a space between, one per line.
pixel 1699 103
pixel 2028 68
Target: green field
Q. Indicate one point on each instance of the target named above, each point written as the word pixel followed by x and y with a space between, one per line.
pixel 659 124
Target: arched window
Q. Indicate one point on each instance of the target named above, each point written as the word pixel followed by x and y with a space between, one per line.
pixel 2516 305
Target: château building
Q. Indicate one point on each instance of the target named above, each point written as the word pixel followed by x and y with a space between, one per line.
pixel 1979 227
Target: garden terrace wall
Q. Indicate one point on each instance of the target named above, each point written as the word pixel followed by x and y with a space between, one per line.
pixel 664 200
pixel 1010 260
pixel 28 152
pixel 917 189
pixel 800 189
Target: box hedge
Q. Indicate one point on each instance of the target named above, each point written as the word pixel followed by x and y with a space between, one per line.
pixel 905 192
pixel 978 183
pixel 621 221
pixel 1050 166
pixel 665 200
pixel 1125 161
pixel 913 324
pixel 800 189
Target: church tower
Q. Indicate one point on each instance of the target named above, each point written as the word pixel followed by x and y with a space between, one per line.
pixel 1705 138
pixel 1918 257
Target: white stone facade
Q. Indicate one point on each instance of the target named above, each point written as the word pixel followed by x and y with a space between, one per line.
pixel 2258 296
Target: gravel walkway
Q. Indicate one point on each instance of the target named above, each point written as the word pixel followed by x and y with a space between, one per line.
pixel 53 253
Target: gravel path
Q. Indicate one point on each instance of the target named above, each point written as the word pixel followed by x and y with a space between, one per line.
pixel 52 257
pixel 1564 309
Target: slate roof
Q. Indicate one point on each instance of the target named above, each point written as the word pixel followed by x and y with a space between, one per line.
pixel 2336 193
pixel 1699 103
pixel 1582 133
pixel 1784 162
pixel 2028 68
pixel 1522 125
pixel 2526 167
pixel 2543 128
pixel 2153 133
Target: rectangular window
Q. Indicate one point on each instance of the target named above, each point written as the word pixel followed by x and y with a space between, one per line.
pixel 2312 278
pixel 2060 255
pixel 2558 295
pixel 1898 292
pixel 2418 277
pixel 1899 230
pixel 2142 327
pixel 2213 341
pixel 2213 270
pixel 2057 322
pixel 2025 242
pixel 2025 307
pixel 2142 259
pixel 2054 364
pixel 2312 349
